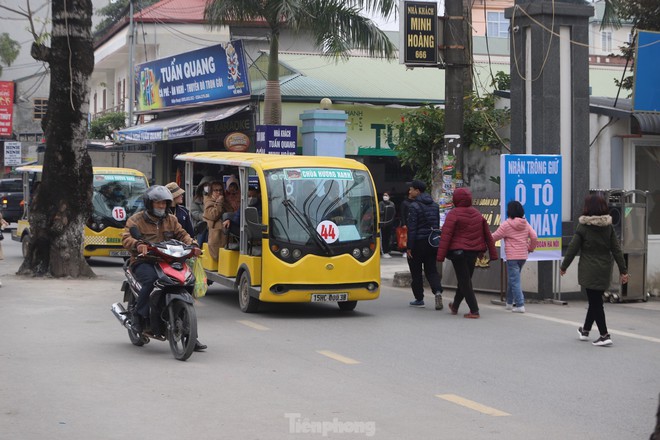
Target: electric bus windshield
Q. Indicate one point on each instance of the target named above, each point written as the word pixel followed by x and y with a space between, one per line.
pixel 324 207
pixel 116 197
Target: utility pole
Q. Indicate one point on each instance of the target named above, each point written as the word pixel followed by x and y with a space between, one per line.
pixel 131 64
pixel 455 68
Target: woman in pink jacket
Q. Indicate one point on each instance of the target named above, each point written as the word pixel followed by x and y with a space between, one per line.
pixel 519 239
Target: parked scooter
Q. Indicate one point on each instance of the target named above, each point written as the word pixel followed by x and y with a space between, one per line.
pixel 171 303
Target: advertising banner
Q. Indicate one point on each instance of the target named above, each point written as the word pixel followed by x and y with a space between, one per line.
pixel 6 108
pixel 646 90
pixel 420 33
pixel 12 154
pixel 209 75
pixel 535 181
pixel 277 139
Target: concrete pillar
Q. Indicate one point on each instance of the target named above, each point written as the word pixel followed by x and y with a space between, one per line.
pixel 550 98
pixel 324 132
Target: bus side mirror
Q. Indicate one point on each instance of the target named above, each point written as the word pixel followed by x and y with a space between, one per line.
pixel 253 223
pixel 388 216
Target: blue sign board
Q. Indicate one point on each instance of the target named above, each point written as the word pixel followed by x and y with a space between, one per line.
pixel 646 89
pixel 535 181
pixel 276 139
pixel 209 75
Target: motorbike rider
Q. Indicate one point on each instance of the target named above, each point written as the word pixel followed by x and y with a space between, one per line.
pixel 155 225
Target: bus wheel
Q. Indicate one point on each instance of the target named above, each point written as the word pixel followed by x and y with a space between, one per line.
pixel 25 244
pixel 247 303
pixel 347 306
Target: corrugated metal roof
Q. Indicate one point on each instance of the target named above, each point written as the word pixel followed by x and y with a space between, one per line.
pixel 360 79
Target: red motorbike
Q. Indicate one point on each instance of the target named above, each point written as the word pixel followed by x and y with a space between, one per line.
pixel 171 303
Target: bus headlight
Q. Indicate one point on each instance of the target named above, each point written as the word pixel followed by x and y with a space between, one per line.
pixel 356 253
pixel 297 253
pixel 366 252
pixel 285 252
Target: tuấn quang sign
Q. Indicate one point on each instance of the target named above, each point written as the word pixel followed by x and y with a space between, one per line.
pixel 210 75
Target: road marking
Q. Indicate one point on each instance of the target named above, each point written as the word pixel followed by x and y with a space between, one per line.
pixel 338 357
pixel 253 325
pixel 577 324
pixel 472 405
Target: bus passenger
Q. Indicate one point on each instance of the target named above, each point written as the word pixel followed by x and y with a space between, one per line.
pixel 214 206
pixel 197 210
pixel 233 195
pixel 177 208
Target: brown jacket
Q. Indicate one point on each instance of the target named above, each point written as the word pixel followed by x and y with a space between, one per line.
pixel 213 215
pixel 154 230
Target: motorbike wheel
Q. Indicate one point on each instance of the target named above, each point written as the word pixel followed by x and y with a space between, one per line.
pixel 136 338
pixel 182 329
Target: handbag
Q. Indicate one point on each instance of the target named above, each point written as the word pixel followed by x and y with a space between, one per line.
pixel 401 237
pixel 434 238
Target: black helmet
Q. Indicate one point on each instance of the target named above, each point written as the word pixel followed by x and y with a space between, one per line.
pixel 156 193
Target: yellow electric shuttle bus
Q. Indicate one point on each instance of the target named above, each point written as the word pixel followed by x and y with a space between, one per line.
pixel 117 196
pixel 313 237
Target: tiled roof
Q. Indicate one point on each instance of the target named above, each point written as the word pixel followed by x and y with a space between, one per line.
pixel 185 11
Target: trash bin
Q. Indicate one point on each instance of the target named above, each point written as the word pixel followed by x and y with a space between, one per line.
pixel 629 211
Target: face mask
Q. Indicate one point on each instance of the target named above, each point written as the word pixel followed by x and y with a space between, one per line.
pixel 252 201
pixel 207 189
pixel 159 212
pixel 386 198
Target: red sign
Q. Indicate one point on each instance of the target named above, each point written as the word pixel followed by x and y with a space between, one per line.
pixel 6 108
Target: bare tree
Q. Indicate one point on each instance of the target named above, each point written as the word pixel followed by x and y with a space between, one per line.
pixel 63 202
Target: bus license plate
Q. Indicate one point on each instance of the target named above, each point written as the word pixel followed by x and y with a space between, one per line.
pixel 329 297
pixel 120 254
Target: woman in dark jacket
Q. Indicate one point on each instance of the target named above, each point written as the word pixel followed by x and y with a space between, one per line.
pixel 465 235
pixel 597 243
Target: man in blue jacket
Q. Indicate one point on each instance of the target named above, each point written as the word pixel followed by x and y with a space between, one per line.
pixel 423 216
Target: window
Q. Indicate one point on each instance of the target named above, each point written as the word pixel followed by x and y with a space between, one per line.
pixel 40 108
pixel 647 178
pixel 498 26
pixel 606 41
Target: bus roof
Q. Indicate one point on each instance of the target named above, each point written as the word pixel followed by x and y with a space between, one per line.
pixel 268 161
pixel 95 170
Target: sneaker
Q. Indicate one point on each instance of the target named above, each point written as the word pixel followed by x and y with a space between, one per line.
pixel 520 309
pixel 603 341
pixel 404 255
pixel 471 315
pixel 508 306
pixel 452 309
pixel 417 303
pixel 584 336
pixel 438 302
pixel 387 256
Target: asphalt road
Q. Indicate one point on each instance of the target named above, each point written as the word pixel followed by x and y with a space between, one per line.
pixel 387 371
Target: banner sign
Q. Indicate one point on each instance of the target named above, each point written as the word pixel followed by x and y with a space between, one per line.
pixel 209 75
pixel 646 90
pixel 6 108
pixel 535 181
pixel 277 139
pixel 12 154
pixel 420 33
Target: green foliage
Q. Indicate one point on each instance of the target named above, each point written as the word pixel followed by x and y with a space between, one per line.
pixel 502 81
pixel 421 132
pixel 102 128
pixel 115 11
pixel 9 49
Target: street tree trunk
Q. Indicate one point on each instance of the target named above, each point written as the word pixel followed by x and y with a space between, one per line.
pixel 63 202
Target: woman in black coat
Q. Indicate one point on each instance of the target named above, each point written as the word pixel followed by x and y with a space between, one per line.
pixel 597 243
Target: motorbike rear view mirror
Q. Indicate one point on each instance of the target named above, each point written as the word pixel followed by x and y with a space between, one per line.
pixel 135 232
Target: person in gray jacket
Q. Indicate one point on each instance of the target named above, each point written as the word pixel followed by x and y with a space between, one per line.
pixel 597 243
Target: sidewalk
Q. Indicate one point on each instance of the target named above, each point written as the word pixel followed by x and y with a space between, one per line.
pixel 389 266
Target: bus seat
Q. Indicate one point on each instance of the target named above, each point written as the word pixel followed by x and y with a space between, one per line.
pixel 207 260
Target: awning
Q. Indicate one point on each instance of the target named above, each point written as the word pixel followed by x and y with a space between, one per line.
pixel 178 127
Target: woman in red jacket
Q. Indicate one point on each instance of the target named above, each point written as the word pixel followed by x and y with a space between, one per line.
pixel 465 235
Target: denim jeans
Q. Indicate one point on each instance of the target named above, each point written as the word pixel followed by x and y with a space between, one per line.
pixel 514 294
